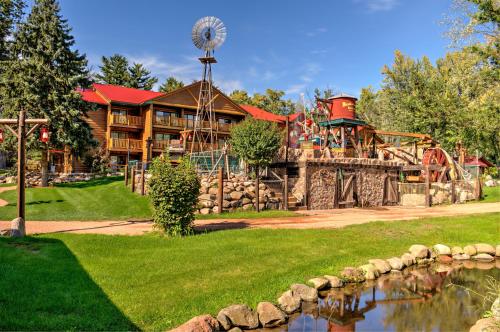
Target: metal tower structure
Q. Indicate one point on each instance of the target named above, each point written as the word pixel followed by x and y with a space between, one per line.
pixel 208 33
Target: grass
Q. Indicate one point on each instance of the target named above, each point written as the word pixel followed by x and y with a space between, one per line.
pixel 92 282
pixel 101 199
pixel 491 194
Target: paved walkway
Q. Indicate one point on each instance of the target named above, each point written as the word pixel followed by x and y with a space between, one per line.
pixel 2 189
pixel 308 219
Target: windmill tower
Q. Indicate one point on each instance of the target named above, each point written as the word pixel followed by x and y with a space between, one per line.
pixel 208 33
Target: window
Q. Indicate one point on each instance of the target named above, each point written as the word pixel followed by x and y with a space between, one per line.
pixel 225 121
pixel 190 119
pixel 165 136
pixel 119 134
pixel 164 117
pixel 119 112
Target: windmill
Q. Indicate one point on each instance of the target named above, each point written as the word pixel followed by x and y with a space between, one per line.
pixel 208 33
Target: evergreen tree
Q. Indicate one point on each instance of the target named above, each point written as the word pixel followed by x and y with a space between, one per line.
pixel 42 78
pixel 171 84
pixel 140 77
pixel 11 12
pixel 114 70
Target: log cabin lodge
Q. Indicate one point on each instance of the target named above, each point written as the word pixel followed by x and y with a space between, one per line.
pixel 125 119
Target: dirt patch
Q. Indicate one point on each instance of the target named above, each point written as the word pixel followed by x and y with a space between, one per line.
pixel 2 189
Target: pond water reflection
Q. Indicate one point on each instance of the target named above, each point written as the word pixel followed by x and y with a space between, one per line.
pixel 417 299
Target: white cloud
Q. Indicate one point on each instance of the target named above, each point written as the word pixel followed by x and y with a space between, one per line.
pixel 378 5
pixel 316 32
pixel 295 88
pixel 316 52
pixel 228 86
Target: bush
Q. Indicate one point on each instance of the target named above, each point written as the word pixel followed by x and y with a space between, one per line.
pixel 174 194
pixel 97 161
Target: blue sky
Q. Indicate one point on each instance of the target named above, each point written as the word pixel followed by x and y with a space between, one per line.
pixel 293 46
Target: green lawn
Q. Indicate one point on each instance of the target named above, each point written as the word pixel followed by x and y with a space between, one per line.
pixel 92 282
pixel 101 199
pixel 491 194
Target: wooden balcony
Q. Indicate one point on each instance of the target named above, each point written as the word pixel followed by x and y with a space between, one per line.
pixel 125 121
pixel 173 145
pixel 181 123
pixel 125 144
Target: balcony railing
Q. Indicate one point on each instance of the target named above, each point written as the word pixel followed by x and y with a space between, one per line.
pixel 170 121
pixel 126 120
pixel 171 145
pixel 125 144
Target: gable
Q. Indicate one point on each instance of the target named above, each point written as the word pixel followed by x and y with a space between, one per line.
pixel 187 97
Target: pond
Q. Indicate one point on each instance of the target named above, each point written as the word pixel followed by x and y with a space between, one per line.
pixel 433 298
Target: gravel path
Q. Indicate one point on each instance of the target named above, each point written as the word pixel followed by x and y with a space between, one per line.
pixel 308 219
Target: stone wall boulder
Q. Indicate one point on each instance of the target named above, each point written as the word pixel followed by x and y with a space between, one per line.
pixel 419 251
pixel 381 265
pixel 408 259
pixel 396 263
pixel 370 271
pixel 289 302
pixel 352 274
pixel 269 315
pixel 238 315
pixel 319 283
pixel 334 282
pixel 441 249
pixel 470 250
pixel 306 293
pixel 203 323
pixel 484 248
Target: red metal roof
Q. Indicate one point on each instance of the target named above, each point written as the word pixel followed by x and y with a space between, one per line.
pixel 91 96
pixel 473 161
pixel 121 94
pixel 261 114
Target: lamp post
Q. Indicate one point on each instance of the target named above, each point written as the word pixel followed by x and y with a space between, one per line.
pixel 18 225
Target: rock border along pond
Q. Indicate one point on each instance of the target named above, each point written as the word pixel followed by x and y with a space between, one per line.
pixel 238 317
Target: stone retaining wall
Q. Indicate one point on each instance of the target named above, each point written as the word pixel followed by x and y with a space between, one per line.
pixel 239 193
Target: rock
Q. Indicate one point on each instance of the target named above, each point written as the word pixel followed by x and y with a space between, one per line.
pixel 495 309
pixel 206 197
pixel 245 201
pixel 441 249
pixel 419 251
pixel 396 263
pixel 484 325
pixel 470 250
pixel 269 315
pixel 306 293
pixel 497 250
pixel 445 259
pixel 370 271
pixel 226 204
pixel 203 323
pixel 461 257
pixel 247 206
pixel 239 315
pixel 288 302
pixel 235 329
pixel 205 211
pixel 483 257
pixel 17 228
pixel 456 250
pixel 352 274
pixel 381 265
pixel 319 283
pixel 483 248
pixel 441 268
pixel 236 195
pixel 213 191
pixel 334 282
pixel 408 259
pixel 207 204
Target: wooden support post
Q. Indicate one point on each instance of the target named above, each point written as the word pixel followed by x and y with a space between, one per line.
pixel 336 194
pixel 126 175
pixel 453 193
pixel 220 188
pixel 427 187
pixel 342 138
pixel 143 181
pixel 285 192
pixel 21 165
pixel 257 183
pixel 479 191
pixel 132 178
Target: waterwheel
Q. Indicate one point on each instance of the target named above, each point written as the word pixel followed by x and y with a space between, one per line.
pixel 438 157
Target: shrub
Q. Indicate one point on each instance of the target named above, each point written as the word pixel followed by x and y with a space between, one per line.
pixel 174 194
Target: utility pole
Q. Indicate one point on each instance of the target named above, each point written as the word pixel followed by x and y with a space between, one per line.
pixel 18 224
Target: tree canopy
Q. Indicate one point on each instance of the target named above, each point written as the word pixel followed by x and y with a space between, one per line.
pixel 271 101
pixel 116 70
pixel 454 99
pixel 171 84
pixel 43 74
pixel 256 141
pixel 11 12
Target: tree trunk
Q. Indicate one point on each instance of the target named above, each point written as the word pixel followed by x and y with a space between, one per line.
pixel 45 168
pixel 257 205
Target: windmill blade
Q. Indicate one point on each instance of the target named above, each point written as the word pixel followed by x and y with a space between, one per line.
pixel 208 33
